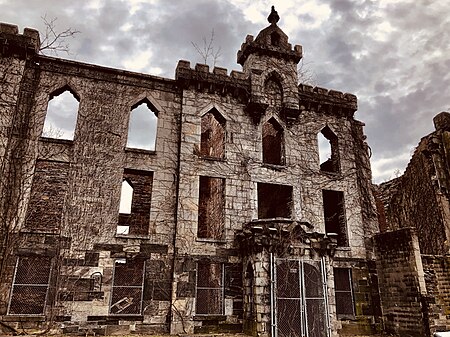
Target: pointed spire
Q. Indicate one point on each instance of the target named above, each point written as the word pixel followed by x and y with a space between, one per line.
pixel 273 17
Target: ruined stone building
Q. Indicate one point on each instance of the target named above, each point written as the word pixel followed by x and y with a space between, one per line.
pixel 236 222
pixel 414 250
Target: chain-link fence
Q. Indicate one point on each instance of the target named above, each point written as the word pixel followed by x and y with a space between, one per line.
pixel 209 299
pixel 30 286
pixel 127 290
pixel 300 302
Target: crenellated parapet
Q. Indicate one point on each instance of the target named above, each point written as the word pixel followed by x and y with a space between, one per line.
pixel 328 101
pixel 218 81
pixel 19 45
pixel 264 45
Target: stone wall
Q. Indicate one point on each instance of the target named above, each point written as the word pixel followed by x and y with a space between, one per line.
pixel 89 254
pixel 401 282
pixel 437 279
pixel 420 197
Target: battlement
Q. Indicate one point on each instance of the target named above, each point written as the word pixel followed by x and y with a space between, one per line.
pixel 200 78
pixel 261 46
pixel 345 102
pixel 20 45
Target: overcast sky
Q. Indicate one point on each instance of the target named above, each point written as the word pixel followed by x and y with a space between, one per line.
pixel 394 55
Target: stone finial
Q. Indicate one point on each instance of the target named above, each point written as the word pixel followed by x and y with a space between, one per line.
pixel 273 17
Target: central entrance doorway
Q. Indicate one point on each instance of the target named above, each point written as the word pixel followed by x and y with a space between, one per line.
pixel 299 300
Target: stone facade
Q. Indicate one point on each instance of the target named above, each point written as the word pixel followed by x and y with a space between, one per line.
pixel 415 216
pixel 279 243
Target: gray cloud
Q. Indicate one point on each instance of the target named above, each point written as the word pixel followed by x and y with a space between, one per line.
pixel 395 58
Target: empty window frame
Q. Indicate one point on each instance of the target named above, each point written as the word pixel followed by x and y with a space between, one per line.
pixel 48 193
pixel 135 202
pixel 334 213
pixel 30 286
pixel 62 111
pixel 212 139
pixel 328 150
pixel 209 290
pixel 274 201
pixel 143 126
pixel 211 204
pixel 127 288
pixel 273 142
pixel 343 289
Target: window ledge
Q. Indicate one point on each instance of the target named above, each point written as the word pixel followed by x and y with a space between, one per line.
pixel 275 166
pixel 222 241
pixel 131 236
pixel 23 318
pixel 213 158
pixel 56 140
pixel 343 248
pixel 331 174
pixel 209 317
pixel 272 220
pixel 136 150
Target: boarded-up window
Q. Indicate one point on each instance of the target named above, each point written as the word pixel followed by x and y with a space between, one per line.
pixel 212 140
pixel 209 299
pixel 127 290
pixel 274 201
pixel 334 212
pixel 134 214
pixel 273 143
pixel 48 193
pixel 211 213
pixel 328 150
pixel 62 112
pixel 344 292
pixel 30 286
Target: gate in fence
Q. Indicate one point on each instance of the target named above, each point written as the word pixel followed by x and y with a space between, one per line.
pixel 299 298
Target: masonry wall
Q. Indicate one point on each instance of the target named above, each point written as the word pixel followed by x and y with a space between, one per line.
pixel 437 280
pixel 163 254
pixel 401 282
pixel 420 197
pixel 79 232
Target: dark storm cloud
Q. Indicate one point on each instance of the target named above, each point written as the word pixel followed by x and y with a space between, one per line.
pixel 394 57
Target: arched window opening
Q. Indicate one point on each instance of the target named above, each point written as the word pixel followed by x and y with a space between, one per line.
pixel 273 142
pixel 328 150
pixel 275 39
pixel 212 140
pixel 62 111
pixel 274 92
pixel 143 126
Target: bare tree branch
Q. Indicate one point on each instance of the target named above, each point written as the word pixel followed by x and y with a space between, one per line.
pixel 207 51
pixel 54 41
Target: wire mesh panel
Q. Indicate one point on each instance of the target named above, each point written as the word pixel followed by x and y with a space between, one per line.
pixel 30 286
pixel 314 299
pixel 128 282
pixel 209 299
pixel 344 292
pixel 289 303
pixel 300 302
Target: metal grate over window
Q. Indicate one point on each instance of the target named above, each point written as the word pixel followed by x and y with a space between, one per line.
pixel 210 291
pixel 30 286
pixel 127 290
pixel 343 289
